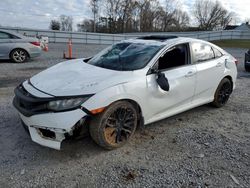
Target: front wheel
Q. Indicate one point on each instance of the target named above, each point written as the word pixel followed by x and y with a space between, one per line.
pixel 222 93
pixel 115 126
pixel 19 56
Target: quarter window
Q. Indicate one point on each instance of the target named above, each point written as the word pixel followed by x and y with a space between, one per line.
pixel 202 52
pixel 217 53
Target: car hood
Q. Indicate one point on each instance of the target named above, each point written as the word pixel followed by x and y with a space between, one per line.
pixel 75 77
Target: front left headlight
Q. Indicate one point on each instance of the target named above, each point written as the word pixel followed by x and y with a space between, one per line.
pixel 65 104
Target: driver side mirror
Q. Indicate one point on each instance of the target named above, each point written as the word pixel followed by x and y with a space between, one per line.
pixel 162 81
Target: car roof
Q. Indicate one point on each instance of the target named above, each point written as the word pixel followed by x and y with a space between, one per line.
pixel 160 40
pixel 12 33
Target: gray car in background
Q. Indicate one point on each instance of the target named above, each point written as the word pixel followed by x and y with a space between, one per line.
pixel 17 47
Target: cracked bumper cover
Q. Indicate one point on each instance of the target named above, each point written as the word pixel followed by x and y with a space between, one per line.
pixel 59 123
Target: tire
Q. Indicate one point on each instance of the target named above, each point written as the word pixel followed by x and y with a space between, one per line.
pixel 222 93
pixel 247 68
pixel 18 56
pixel 115 126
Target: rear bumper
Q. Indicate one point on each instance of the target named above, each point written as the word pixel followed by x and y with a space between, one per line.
pixel 35 52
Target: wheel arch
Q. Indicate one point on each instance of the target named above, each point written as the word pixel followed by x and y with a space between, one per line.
pixel 133 102
pixel 136 105
pixel 19 49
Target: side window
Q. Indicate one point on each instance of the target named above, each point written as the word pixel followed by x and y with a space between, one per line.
pixel 202 52
pixel 217 53
pixel 4 35
pixel 174 57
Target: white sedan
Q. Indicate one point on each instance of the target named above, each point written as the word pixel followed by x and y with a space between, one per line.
pixel 131 83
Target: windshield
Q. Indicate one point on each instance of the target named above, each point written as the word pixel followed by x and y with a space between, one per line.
pixel 125 56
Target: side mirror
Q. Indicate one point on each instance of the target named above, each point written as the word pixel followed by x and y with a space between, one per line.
pixel 162 81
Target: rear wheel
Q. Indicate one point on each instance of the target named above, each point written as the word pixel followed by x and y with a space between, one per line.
pixel 115 126
pixel 19 55
pixel 222 93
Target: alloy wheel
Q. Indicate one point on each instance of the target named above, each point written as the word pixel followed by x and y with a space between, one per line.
pixel 120 125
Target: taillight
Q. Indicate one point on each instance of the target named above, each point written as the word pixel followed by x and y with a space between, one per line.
pixel 35 43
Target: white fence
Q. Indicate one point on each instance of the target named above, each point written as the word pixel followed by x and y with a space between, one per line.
pixel 101 38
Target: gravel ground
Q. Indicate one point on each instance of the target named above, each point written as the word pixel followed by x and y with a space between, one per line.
pixel 203 147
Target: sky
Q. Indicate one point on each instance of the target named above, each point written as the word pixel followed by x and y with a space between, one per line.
pixel 38 13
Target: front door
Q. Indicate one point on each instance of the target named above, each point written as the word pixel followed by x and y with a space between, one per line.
pixel 181 75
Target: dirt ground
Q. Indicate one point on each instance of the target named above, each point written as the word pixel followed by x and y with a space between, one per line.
pixel 203 147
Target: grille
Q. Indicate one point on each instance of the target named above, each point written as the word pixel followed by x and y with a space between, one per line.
pixel 27 103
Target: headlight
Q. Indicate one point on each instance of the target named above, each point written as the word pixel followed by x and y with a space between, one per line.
pixel 65 104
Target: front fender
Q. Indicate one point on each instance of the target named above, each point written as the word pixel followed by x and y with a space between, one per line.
pixel 113 94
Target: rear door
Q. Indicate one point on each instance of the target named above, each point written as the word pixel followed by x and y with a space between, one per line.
pixel 210 66
pixel 6 45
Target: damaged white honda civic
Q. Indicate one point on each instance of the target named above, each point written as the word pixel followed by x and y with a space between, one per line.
pixel 131 83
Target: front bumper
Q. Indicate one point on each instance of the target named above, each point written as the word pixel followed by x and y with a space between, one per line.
pixel 247 64
pixel 50 129
pixel 46 127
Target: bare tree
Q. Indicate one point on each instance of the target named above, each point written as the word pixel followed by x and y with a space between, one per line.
pixel 181 19
pixel 247 21
pixel 119 16
pixel 86 25
pixel 94 8
pixel 66 23
pixel 54 25
pixel 211 15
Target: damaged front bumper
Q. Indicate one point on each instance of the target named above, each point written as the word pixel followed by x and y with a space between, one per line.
pixel 44 128
pixel 47 128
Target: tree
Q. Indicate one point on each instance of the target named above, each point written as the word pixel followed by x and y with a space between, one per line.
pixel 211 15
pixel 54 25
pixel 66 23
pixel 121 16
pixel 181 19
pixel 94 7
pixel 86 25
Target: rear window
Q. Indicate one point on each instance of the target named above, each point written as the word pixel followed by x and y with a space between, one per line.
pixel 4 35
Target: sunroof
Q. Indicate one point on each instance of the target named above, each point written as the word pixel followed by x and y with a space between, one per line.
pixel 157 37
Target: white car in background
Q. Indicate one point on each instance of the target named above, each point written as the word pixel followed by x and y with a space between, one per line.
pixel 136 81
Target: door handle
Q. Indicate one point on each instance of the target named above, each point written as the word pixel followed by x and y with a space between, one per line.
pixel 190 73
pixel 219 64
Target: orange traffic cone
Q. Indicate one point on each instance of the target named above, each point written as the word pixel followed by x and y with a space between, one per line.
pixel 69 51
pixel 46 48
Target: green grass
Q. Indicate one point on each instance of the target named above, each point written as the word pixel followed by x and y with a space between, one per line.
pixel 233 43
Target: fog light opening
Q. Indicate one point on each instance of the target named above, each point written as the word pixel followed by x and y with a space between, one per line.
pixel 47 133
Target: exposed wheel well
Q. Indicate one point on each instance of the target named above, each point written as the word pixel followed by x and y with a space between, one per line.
pixel 18 49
